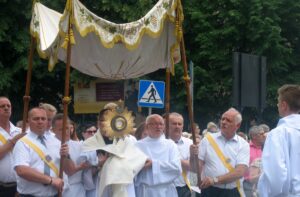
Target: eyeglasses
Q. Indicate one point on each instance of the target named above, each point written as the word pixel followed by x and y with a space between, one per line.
pixel 156 124
pixel 5 105
pixel 91 131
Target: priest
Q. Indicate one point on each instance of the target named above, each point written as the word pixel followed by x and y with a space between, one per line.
pixel 163 163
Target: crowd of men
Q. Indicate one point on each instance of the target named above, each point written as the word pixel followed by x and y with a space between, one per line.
pixel 150 165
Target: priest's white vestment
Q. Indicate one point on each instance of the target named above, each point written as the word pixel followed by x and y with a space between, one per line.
pixel 158 180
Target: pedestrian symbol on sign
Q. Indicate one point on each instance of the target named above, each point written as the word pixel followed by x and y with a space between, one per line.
pixel 151 94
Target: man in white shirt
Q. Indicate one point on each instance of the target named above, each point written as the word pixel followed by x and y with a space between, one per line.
pixel 9 134
pixel 36 159
pixel 175 133
pixel 280 158
pixel 72 165
pixel 221 177
pixel 163 164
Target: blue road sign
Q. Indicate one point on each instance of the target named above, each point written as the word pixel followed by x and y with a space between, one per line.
pixel 151 94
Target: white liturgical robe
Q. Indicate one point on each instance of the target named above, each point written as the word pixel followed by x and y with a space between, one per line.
pixel 158 180
pixel 281 160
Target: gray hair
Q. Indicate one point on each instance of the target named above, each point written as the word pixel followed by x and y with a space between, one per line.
pixel 151 117
pixel 238 117
pixel 48 107
pixel 175 114
pixel 255 130
pixel 265 127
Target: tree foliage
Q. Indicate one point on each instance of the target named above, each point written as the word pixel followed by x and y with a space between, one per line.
pixel 213 30
pixel 267 28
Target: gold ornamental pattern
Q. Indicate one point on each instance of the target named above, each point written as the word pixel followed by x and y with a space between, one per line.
pixel 118 123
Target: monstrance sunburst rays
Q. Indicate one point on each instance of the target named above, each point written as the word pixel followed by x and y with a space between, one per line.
pixel 118 123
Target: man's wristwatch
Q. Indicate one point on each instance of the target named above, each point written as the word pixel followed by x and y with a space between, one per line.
pixel 215 180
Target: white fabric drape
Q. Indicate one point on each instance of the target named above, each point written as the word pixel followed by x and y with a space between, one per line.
pixel 107 50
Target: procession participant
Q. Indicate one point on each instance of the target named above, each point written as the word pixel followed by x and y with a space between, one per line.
pixel 163 164
pixel 51 112
pixel 280 158
pixel 141 132
pixel 36 159
pixel 9 135
pixel 88 130
pixel 115 162
pixel 89 154
pixel 223 158
pixel 72 164
pixel 257 137
pixel 73 132
pixel 182 183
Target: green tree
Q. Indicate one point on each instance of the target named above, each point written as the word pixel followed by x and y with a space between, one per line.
pixel 268 28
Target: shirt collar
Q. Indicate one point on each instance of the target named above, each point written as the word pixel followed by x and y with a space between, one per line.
pixel 219 135
pixel 180 141
pixel 34 135
pixel 12 129
pixel 253 145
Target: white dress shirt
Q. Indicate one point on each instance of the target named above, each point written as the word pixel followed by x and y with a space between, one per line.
pixel 75 181
pixel 7 173
pixel 183 145
pixel 26 156
pixel 237 150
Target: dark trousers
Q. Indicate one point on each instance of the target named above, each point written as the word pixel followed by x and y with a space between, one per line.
pixel 248 188
pixel 218 192
pixel 28 195
pixel 8 191
pixel 183 191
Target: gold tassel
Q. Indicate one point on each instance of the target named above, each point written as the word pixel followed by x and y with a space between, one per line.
pixel 72 37
pixel 65 43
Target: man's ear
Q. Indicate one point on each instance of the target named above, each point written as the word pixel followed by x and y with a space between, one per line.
pixel 146 126
pixel 285 106
pixel 239 125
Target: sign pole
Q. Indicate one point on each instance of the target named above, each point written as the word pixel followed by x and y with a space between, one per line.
pixel 149 111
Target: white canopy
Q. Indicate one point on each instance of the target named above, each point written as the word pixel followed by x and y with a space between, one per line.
pixel 107 50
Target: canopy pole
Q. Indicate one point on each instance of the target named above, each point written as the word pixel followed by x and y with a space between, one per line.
pixel 167 101
pixel 26 97
pixel 189 101
pixel 66 100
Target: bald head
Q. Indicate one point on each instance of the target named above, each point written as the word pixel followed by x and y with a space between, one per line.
pixel 37 120
pixel 5 108
pixel 110 106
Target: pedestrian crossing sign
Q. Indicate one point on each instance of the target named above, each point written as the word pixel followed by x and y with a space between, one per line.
pixel 151 94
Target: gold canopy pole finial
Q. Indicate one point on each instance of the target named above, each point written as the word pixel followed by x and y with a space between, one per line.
pixel 66 99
